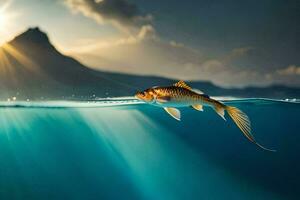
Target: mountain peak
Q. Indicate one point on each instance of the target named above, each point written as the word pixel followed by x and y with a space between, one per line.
pixel 33 35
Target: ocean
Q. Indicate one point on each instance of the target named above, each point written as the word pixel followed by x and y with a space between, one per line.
pixel 124 149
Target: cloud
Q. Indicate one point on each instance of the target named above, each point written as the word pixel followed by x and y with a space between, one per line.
pixel 121 13
pixel 237 53
pixel 288 75
pixel 147 32
pixel 176 44
pixel 82 46
pixel 142 51
pixel 147 54
pixel 291 70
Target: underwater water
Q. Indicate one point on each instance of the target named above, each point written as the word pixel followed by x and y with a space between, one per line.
pixel 123 149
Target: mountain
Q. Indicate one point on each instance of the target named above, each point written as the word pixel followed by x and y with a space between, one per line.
pixel 32 68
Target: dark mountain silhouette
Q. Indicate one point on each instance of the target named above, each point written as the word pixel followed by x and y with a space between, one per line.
pixel 32 68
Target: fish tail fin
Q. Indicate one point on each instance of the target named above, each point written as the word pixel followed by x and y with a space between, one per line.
pixel 243 122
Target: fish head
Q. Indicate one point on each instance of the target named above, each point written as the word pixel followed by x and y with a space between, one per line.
pixel 146 95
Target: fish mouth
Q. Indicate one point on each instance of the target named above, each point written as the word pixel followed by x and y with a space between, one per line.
pixel 139 95
pixel 143 97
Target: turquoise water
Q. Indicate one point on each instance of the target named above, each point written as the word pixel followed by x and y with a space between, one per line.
pixel 122 149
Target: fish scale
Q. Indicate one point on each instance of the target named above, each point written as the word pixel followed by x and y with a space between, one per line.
pixel 180 94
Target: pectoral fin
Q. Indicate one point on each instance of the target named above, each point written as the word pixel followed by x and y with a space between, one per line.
pixel 175 113
pixel 198 107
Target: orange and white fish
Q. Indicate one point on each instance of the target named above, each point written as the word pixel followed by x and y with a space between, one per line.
pixel 182 95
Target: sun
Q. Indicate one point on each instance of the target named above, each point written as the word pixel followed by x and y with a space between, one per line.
pixel 2 20
pixel 6 21
pixel 4 16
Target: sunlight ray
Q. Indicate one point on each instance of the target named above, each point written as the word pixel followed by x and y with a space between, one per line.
pixel 20 57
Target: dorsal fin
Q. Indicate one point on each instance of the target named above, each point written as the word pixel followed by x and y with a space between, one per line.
pixel 183 85
pixel 186 86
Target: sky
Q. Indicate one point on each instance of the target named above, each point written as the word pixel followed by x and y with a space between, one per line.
pixel 230 43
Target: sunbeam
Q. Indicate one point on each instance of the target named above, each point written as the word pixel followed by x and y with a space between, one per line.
pixel 20 57
pixel 10 57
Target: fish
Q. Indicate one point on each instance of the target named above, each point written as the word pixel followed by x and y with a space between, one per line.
pixel 180 94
